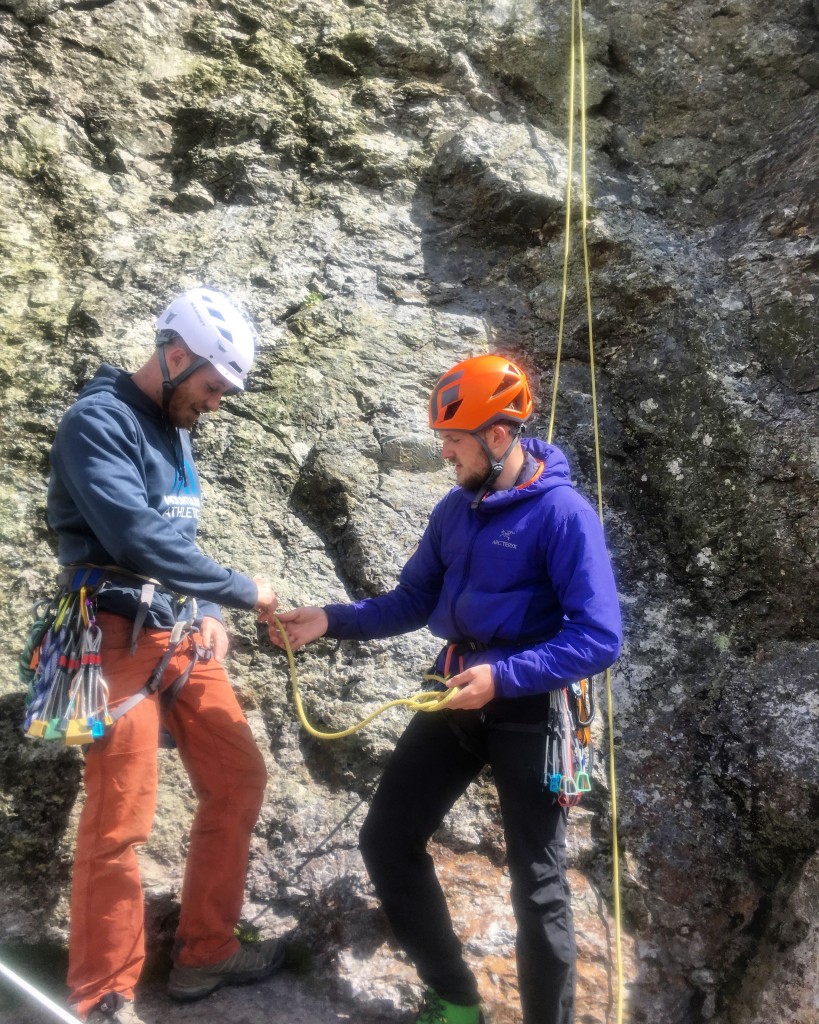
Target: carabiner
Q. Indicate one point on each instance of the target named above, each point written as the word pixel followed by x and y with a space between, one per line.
pixel 586 709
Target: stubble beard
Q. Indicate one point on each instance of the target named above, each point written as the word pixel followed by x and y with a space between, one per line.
pixel 476 478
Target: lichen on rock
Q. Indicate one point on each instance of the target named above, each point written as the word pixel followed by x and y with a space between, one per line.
pixel 382 186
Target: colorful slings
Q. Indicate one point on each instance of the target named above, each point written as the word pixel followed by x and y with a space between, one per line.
pixel 569 748
pixel 67 696
pixel 61 661
pixel 60 664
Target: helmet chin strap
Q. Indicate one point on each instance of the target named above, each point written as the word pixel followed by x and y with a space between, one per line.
pixel 169 384
pixel 495 464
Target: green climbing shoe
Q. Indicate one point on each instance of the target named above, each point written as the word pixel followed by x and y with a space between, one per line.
pixel 435 1010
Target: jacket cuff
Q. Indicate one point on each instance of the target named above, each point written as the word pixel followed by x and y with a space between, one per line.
pixel 207 609
pixel 341 622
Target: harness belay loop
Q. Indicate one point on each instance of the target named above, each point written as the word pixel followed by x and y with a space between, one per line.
pixel 569 749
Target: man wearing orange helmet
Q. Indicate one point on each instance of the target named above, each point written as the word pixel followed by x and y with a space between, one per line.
pixel 512 571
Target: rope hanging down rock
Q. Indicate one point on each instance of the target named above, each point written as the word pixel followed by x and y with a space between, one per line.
pixel 577 71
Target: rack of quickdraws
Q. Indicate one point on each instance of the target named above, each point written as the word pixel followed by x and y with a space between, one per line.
pixel 67 695
pixel 569 750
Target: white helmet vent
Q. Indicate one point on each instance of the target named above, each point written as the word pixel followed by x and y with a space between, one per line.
pixel 212 327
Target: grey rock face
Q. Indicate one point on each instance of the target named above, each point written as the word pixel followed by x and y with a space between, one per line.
pixel 383 187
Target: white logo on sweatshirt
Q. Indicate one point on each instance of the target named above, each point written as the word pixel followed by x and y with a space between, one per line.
pixel 182 506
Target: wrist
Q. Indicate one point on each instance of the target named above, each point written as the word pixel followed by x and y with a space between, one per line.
pixel 264 593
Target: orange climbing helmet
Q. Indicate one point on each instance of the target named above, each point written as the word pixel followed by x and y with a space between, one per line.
pixel 478 392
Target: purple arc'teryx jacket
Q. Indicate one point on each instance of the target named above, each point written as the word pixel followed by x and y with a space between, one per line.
pixel 526 575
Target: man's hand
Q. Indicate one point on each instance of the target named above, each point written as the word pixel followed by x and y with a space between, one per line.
pixel 266 600
pixel 301 625
pixel 214 637
pixel 477 688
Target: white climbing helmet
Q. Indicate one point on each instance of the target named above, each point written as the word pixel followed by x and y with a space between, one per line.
pixel 213 329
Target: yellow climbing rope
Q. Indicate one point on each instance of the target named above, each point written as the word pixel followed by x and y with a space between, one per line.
pixel 424 700
pixel 577 70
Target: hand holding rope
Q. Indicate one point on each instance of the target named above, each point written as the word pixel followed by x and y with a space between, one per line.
pixel 424 700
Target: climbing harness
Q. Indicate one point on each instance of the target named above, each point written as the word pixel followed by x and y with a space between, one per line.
pixel 577 70
pixel 61 664
pixel 424 700
pixel 567 769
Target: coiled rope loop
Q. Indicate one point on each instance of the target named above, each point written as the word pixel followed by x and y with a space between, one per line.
pixel 424 700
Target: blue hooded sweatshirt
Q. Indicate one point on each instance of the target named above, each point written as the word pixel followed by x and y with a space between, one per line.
pixel 124 492
pixel 526 574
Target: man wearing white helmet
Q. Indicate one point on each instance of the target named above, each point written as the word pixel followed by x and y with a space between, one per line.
pixel 124 499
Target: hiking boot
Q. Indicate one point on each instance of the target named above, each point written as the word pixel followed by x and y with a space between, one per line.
pixel 250 962
pixel 435 1010
pixel 114 1009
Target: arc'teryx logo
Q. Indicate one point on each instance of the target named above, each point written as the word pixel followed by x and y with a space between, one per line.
pixel 505 539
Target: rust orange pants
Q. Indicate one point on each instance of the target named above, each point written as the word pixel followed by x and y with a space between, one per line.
pixel 227 772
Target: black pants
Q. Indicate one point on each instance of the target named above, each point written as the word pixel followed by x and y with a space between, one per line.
pixel 432 765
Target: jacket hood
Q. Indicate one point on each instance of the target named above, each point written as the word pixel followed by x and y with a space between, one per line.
pixel 555 474
pixel 110 380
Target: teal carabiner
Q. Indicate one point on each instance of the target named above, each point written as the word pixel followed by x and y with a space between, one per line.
pixel 53 730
